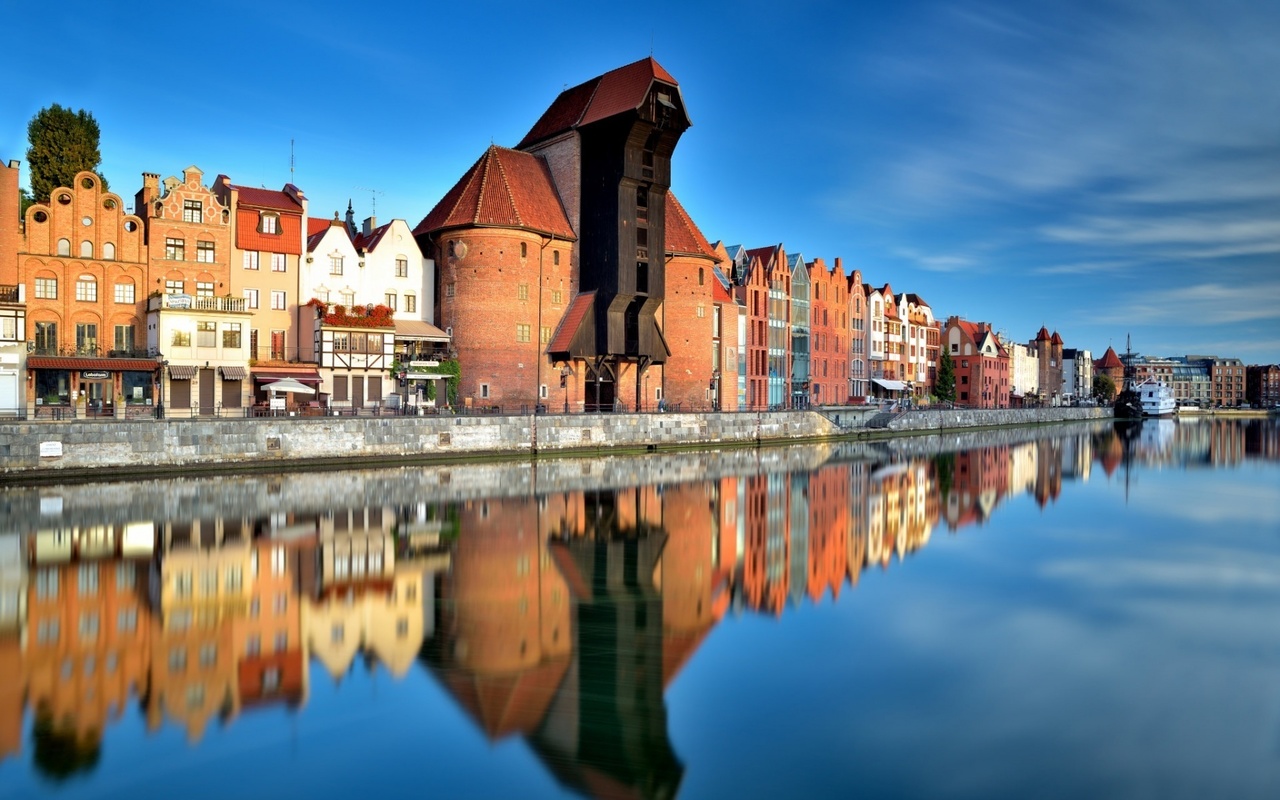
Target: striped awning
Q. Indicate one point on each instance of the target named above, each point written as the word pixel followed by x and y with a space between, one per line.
pixel 234 373
pixel 182 372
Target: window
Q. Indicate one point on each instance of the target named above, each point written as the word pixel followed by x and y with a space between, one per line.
pixel 126 575
pixel 448 290
pixel 269 223
pixel 206 334
pixel 335 265
pixel 524 249
pixel 86 249
pixel 341 342
pixel 124 338
pixel 522 291
pixel 231 336
pixel 204 252
pixel 251 298
pixel 281 603
pixel 46 288
pixel 88 628
pixel 702 311
pixel 204 288
pixel 277 262
pixel 192 211
pixel 402 267
pixel 348 299
pixel 174 249
pixel 124 292
pixel 544 334
pixel 174 287
pixel 278 560
pixel 127 620
pixel 182 338
pixel 555 257
pixel 235 578
pixel 88 583
pixel 410 303
pixel 47 584
pixel 253 343
pixel 279 300
pixel 208 655
pixel 64 247
pixel 390 300
pixel 522 332
pixel 484 390
pixel 556 297
pixel 86 337
pixel 250 260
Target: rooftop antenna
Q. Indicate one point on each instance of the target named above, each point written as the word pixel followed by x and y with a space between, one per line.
pixel 373 198
pixel 290 161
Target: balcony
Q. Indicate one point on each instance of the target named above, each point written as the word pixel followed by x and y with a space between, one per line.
pixel 10 294
pixel 187 302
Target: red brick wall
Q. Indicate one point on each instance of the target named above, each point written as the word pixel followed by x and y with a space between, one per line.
pixel 485 308
pixel 687 320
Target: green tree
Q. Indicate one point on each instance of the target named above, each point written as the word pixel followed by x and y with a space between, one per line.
pixel 61 142
pixel 1104 388
pixel 25 201
pixel 944 388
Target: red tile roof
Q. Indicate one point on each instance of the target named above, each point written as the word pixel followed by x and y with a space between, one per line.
pixel 1043 335
pixel 504 189
pixel 316 225
pixel 368 241
pixel 266 198
pixel 572 320
pixel 719 294
pixel 1109 360
pixel 248 237
pixel 683 236
pixel 612 93
pixel 1056 338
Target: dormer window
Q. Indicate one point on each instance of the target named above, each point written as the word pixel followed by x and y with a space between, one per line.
pixel 192 211
pixel 268 223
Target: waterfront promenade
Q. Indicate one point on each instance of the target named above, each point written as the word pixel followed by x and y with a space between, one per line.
pixel 35 451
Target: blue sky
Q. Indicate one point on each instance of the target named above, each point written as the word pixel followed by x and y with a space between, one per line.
pixel 1100 168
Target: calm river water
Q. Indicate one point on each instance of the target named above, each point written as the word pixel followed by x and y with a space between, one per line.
pixel 1063 612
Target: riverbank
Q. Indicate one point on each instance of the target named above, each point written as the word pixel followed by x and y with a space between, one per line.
pixel 92 450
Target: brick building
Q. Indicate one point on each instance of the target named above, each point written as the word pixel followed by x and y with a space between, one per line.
pixel 1262 385
pixel 981 363
pixel 1048 350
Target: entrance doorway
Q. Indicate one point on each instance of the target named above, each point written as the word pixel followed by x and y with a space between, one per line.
pixel 97 395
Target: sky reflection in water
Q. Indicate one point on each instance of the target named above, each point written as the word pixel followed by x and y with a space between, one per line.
pixel 1026 618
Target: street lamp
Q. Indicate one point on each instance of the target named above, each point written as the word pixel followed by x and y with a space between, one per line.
pixel 565 372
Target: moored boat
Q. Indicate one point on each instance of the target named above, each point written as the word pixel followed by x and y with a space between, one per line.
pixel 1156 398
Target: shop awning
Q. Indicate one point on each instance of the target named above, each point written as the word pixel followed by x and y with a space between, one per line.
pixel 413 330
pixel 97 364
pixel 182 372
pixel 234 373
pixel 305 375
pixel 893 386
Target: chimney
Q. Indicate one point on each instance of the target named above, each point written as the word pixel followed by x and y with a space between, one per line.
pixel 369 224
pixel 150 191
pixel 10 224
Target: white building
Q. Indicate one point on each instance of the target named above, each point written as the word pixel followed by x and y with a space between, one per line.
pixel 1077 374
pixel 1024 371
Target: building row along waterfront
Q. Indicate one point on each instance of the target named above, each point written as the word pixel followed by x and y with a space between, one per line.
pixel 559 275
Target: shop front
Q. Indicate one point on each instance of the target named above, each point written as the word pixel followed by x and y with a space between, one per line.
pixel 66 387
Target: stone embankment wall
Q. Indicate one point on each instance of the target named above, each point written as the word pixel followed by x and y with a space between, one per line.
pixel 96 447
pixel 147 444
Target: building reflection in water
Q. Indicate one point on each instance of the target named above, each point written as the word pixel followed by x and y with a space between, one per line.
pixel 560 618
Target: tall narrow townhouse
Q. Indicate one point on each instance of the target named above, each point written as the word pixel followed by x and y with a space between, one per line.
pixel 859 370
pixel 13 298
pixel 920 348
pixel 268 237
pixel 1048 351
pixel 344 327
pixel 194 321
pixel 875 340
pixel 777 278
pixel 981 363
pixel 751 289
pixel 801 341
pixel 83 268
pixel 393 258
pixel 829 324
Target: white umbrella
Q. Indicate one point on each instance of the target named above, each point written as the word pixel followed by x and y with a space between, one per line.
pixel 288 385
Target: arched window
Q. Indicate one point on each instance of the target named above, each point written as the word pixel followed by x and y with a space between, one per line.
pixel 109 251
pixel 701 276
pixel 86 249
pixel 64 247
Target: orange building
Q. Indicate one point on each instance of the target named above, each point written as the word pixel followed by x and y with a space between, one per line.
pixel 981 364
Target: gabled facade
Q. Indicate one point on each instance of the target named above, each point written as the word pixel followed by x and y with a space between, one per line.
pixel 1048 350
pixel 859 313
pixel 1024 375
pixel 981 364
pixel 776 276
pixel 268 238
pixel 81 267
pixel 1077 374
pixel 193 319
pixel 829 333
pixel 801 331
